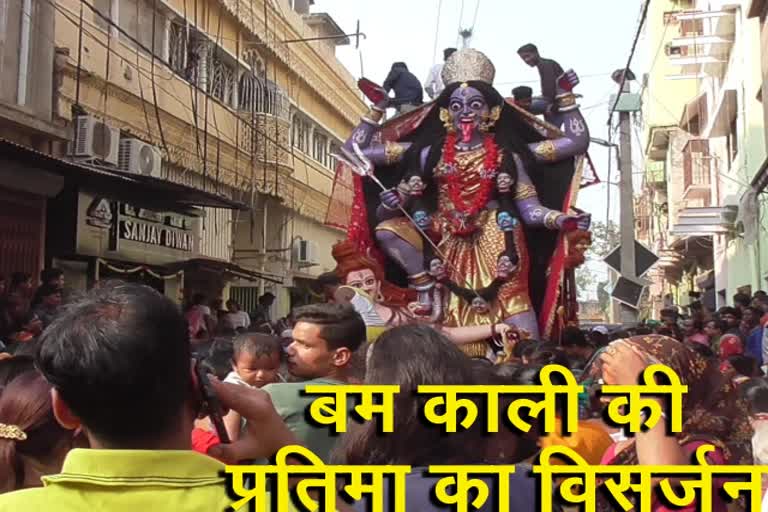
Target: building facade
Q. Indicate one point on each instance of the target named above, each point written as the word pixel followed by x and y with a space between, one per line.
pixel 27 120
pixel 209 136
pixel 703 144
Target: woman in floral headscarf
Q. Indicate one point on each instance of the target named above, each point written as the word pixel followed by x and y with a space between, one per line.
pixel 713 411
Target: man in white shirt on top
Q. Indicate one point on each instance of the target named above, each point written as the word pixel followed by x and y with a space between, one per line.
pixel 237 318
pixel 434 84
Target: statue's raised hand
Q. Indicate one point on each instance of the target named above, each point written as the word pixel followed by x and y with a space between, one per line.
pixel 582 221
pixel 391 199
pixel 568 80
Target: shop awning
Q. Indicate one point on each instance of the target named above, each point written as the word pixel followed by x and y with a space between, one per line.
pixel 225 267
pixel 143 190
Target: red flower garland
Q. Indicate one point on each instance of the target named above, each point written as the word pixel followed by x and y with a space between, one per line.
pixel 455 187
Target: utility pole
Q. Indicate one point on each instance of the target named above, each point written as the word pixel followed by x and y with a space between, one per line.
pixel 626 194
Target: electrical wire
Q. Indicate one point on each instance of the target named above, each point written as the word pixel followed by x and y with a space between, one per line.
pixel 294 157
pixel 172 95
pixel 437 33
pixel 461 18
pixel 643 17
pixel 154 88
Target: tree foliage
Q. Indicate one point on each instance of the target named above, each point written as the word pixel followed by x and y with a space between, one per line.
pixel 605 238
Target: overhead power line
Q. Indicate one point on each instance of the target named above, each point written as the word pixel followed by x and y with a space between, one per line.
pixel 640 25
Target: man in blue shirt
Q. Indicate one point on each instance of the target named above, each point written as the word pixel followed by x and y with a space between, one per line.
pixel 408 91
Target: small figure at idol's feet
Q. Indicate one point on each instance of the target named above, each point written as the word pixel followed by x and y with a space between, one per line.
pixel 393 306
pixel 481 198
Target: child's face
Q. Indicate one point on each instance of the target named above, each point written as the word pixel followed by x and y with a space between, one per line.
pixel 257 370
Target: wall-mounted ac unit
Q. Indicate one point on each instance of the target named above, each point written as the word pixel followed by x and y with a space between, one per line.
pixel 138 157
pixel 96 140
pixel 305 253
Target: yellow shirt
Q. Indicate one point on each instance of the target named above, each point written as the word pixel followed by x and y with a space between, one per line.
pixel 127 481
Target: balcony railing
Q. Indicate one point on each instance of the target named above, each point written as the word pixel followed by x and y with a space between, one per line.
pixel 703 43
pixel 697 171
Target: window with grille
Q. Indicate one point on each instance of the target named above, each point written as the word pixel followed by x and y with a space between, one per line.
pixel 221 78
pixel 178 46
pixel 300 133
pixel 257 94
pixel 320 148
pixel 335 149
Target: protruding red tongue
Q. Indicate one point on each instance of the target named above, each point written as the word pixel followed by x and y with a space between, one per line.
pixel 466 132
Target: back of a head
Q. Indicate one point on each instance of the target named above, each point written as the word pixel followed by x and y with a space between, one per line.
pixel 341 326
pixel 220 357
pixel 431 359
pixel 755 392
pixel 703 350
pixel 25 404
pixel 358 364
pixel 50 274
pixel 744 365
pixel 120 359
pixel 18 278
pixel 448 52
pixel 548 353
pixel 522 347
pixel 522 92
pixel 399 65
pixel 13 367
pixel 669 312
pixel 573 337
pixel 741 299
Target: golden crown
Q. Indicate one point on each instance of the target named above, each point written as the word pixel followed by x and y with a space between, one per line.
pixel 468 65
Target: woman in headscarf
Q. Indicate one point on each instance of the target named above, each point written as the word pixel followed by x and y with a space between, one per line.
pixel 712 411
pixel 730 345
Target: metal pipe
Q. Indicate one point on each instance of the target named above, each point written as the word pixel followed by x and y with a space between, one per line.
pixel 264 224
pixel 26 24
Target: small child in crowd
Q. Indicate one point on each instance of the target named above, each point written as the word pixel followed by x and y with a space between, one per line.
pixel 255 362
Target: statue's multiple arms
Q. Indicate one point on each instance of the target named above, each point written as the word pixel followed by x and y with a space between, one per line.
pixel 535 214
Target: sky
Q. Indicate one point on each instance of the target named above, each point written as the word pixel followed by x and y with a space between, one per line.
pixel 593 37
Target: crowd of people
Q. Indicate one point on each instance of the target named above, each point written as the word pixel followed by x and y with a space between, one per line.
pixel 104 408
pixel 27 307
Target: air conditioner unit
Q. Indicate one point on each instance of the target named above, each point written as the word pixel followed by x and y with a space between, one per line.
pixel 96 140
pixel 138 157
pixel 305 252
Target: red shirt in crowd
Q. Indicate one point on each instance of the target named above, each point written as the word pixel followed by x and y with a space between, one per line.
pixel 203 440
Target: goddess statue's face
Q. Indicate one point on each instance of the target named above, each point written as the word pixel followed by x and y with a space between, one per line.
pixel 468 108
pixel 364 280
